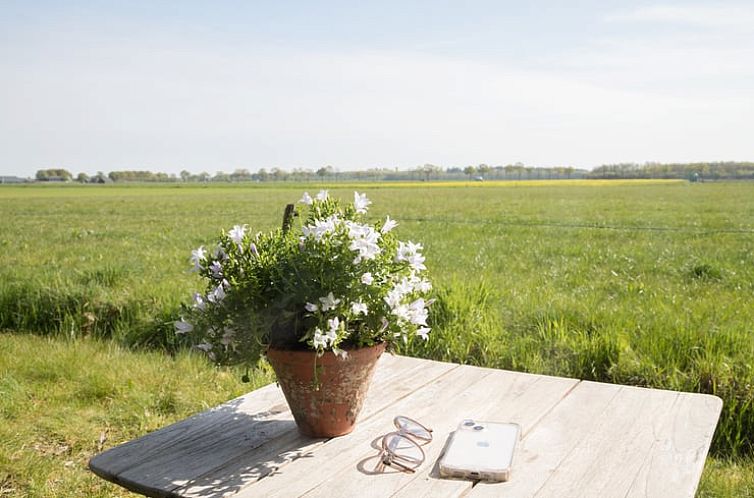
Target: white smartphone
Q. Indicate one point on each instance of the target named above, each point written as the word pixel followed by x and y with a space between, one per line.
pixel 480 451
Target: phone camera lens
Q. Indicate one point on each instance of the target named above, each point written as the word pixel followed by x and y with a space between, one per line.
pixel 478 427
pixel 469 423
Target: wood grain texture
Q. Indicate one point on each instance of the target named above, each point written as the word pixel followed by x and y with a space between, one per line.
pixel 544 447
pixel 490 391
pixel 580 439
pixel 159 462
pixel 163 461
pixel 518 398
pixel 676 460
pixel 614 441
pixel 358 450
pixel 401 378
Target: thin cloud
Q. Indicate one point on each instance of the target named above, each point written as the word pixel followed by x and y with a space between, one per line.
pixel 86 99
pixel 692 15
pixel 203 110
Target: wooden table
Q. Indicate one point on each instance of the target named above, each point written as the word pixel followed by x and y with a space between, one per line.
pixel 579 439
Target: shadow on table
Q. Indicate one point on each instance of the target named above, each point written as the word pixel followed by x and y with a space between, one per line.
pixel 214 453
pixel 370 465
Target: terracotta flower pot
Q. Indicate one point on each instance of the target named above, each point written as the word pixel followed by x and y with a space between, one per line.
pixel 328 405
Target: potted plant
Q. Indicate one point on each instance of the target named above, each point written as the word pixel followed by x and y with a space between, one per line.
pixel 321 298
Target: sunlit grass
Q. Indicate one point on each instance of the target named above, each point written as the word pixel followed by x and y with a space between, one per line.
pixel 727 478
pixel 63 401
pixel 146 189
pixel 514 183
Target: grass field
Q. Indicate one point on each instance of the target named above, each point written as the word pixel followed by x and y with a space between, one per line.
pixel 58 410
pixel 646 283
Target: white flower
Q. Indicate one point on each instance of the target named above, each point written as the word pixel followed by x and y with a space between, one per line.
pixel 237 233
pixel 197 256
pixel 410 252
pixel 417 313
pixel 254 251
pixel 393 298
pixel 402 311
pixel 356 230
pixel 182 326
pixel 327 339
pixel 321 227
pixel 359 309
pixel 365 245
pixel 405 286
pixel 396 294
pixel 332 333
pixel 340 353
pixel 216 269
pixel 367 278
pixel 360 202
pixel 365 248
pixel 414 283
pixel 306 199
pixel 406 249
pixel 329 302
pixel 422 332
pixel 311 307
pixel 388 225
pixel 320 339
pixel 423 286
pixel 216 295
pixel 322 195
pixel 334 324
pixel 219 294
pixel 199 302
pixel 416 262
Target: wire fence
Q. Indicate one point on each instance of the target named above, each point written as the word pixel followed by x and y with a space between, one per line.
pixel 582 226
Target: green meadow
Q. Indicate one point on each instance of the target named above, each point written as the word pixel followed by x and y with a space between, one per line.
pixel 643 283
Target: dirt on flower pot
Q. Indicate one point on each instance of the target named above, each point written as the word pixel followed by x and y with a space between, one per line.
pixel 325 403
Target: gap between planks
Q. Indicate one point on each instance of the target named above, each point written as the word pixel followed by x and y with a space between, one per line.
pixel 144 464
pixel 382 394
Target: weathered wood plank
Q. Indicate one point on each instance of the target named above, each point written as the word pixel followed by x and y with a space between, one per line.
pixel 147 453
pixel 543 448
pixel 676 460
pixel 604 464
pixel 256 403
pixel 260 404
pixel 520 393
pixel 580 439
pixel 159 463
pixel 227 476
pixel 525 405
pixel 340 458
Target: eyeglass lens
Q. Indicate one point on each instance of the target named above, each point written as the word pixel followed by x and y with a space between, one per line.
pixel 404 450
pixel 409 426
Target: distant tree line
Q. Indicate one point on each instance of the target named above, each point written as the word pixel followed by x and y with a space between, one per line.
pixel 140 176
pixel 729 170
pixel 426 172
pixel 52 175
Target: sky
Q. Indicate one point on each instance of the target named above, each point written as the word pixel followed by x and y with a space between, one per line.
pixel 222 85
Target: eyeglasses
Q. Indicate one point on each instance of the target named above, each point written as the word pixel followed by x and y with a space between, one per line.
pixel 402 449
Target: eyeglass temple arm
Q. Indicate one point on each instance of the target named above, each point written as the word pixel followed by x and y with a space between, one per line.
pixel 392 462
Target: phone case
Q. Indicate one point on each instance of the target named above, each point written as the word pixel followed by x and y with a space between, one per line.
pixel 480 451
